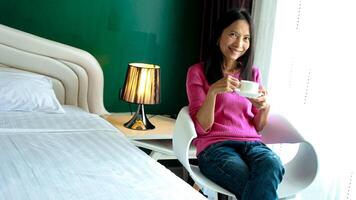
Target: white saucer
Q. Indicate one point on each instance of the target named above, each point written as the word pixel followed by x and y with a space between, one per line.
pixel 248 94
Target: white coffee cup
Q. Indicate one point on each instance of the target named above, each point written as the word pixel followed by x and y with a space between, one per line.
pixel 249 87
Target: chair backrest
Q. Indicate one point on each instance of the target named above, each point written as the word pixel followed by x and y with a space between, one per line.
pixel 280 130
pixel 183 134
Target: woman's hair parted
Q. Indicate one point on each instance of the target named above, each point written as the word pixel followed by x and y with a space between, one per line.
pixel 215 59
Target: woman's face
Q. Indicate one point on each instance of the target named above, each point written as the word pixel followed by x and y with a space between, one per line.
pixel 234 41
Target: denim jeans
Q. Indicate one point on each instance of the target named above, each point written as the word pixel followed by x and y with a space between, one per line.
pixel 249 170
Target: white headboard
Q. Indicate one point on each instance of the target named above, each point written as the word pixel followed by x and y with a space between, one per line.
pixel 76 75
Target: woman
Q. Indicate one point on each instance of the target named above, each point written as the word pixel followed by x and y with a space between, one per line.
pixel 229 147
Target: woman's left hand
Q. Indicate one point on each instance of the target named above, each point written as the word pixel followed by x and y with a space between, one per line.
pixel 260 102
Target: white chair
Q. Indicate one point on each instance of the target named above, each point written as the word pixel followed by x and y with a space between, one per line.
pixel 299 172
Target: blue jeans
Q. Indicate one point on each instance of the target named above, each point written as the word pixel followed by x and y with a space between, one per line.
pixel 249 170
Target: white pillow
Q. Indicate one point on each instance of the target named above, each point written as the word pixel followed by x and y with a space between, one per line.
pixel 27 92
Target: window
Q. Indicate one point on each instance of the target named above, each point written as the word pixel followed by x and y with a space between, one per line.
pixel 311 78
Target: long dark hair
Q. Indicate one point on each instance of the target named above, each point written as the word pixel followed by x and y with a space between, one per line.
pixel 215 59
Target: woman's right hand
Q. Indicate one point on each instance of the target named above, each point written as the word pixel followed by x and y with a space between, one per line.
pixel 226 84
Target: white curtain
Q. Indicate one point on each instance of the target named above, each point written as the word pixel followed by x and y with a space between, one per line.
pixel 312 78
pixel 263 13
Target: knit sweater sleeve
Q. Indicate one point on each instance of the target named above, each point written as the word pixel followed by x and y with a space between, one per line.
pixel 196 93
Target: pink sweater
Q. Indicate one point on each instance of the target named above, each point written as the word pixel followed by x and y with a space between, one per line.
pixel 233 113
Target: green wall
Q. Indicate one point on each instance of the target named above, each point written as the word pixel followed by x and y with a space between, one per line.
pixel 117 32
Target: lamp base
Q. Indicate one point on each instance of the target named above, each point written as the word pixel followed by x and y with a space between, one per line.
pixel 139 121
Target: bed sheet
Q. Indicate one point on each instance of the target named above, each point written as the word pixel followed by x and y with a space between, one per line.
pixel 78 156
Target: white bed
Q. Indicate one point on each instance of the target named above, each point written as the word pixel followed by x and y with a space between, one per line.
pixel 75 155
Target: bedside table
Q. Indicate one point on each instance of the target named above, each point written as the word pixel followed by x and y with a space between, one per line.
pixel 158 140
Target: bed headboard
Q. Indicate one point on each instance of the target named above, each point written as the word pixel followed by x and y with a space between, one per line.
pixel 76 75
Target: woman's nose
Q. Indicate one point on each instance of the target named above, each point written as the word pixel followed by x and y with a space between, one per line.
pixel 238 43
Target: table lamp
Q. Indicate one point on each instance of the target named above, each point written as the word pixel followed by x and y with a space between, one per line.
pixel 142 87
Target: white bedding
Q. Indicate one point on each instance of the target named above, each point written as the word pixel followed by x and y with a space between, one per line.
pixel 74 119
pixel 78 155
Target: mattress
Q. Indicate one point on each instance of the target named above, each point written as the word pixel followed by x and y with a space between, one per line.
pixel 78 155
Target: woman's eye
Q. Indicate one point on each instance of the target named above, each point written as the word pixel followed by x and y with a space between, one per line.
pixel 234 35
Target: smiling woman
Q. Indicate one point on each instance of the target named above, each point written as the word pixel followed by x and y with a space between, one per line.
pixel 229 147
pixel 234 42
